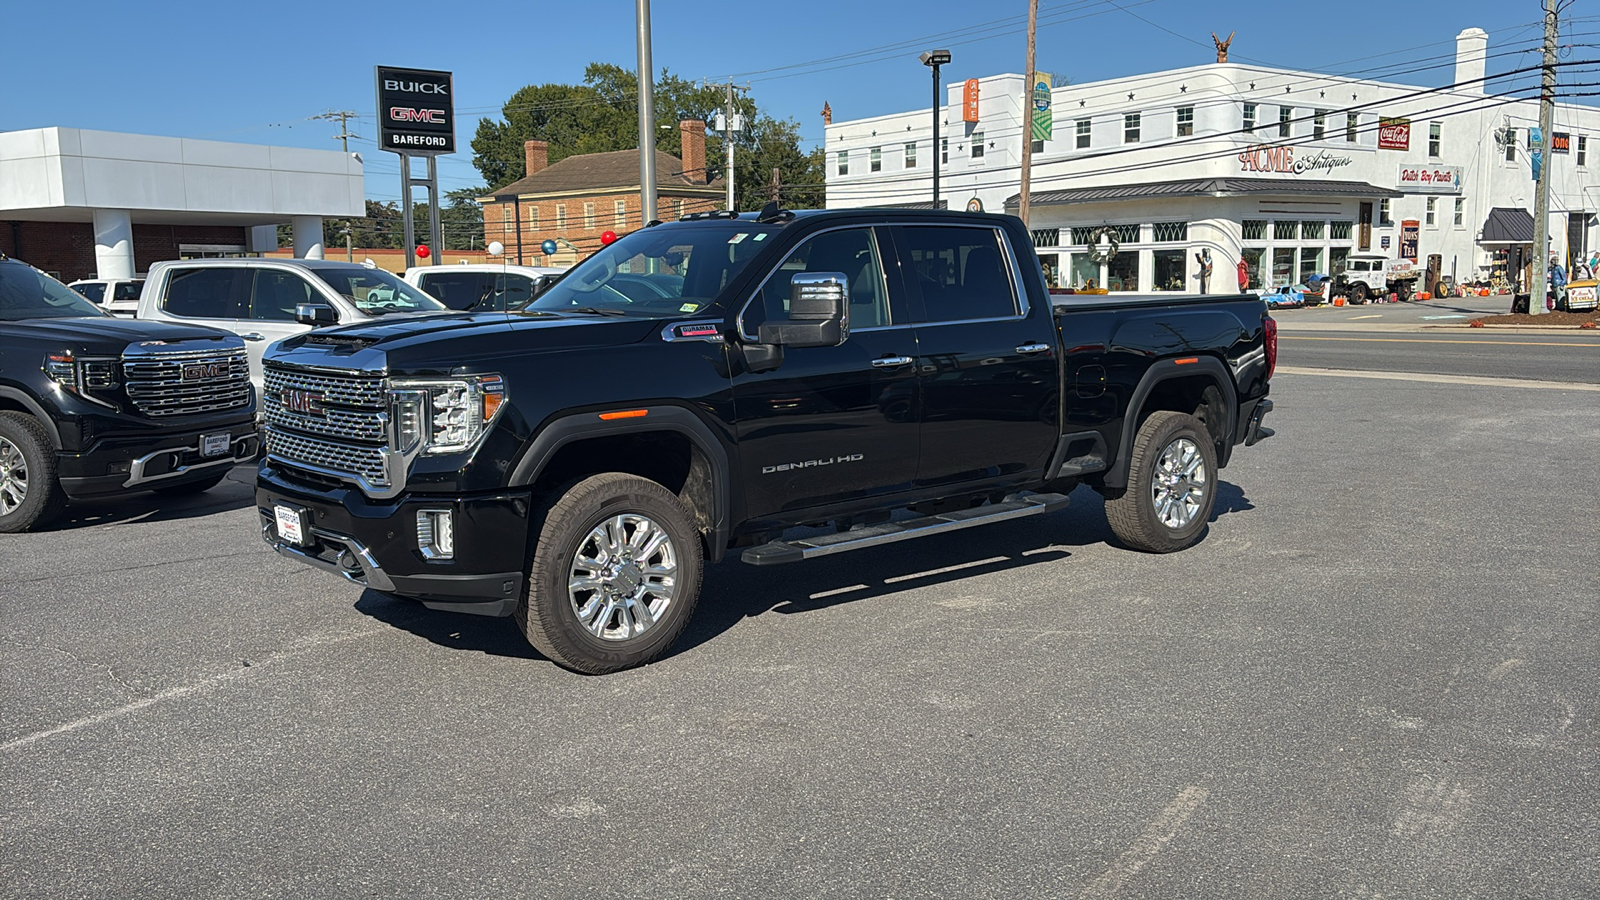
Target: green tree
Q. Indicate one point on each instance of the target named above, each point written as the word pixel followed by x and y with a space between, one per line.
pixel 601 115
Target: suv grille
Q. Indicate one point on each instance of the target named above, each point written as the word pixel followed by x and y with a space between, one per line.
pixel 328 422
pixel 188 383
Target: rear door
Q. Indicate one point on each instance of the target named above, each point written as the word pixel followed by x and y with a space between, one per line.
pixel 831 424
pixel 986 362
pixel 274 295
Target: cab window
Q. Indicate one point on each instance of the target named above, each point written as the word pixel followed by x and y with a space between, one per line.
pixel 852 251
pixel 207 293
pixel 94 291
pixel 959 272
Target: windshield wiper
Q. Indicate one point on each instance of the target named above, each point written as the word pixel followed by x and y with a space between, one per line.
pixel 595 310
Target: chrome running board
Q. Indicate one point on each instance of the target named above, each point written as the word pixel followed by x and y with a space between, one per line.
pixel 1016 506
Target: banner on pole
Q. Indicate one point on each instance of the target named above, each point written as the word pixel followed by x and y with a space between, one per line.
pixel 1043 116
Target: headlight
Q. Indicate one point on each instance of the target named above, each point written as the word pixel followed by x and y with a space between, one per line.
pixel 82 375
pixel 446 415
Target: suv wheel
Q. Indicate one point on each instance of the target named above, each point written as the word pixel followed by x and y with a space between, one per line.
pixel 29 494
pixel 615 574
pixel 1172 485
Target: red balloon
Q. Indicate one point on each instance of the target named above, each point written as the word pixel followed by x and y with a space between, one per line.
pixel 422 251
pixel 607 237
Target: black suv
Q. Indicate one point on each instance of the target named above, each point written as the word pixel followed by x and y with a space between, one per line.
pixel 92 405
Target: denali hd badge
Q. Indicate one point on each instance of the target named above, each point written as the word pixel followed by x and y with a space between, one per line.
pixel 812 463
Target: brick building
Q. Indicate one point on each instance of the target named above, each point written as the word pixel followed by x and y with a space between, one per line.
pixel 581 197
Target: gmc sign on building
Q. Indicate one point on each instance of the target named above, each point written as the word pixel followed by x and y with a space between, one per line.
pixel 416 112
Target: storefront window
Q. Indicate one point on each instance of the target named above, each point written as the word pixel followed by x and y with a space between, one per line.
pixel 1252 258
pixel 1337 258
pixel 1167 267
pixel 1285 231
pixel 1339 230
pixel 1310 263
pixel 1255 229
pixel 1282 265
pixel 1122 272
pixel 1085 271
pixel 1311 231
pixel 1051 264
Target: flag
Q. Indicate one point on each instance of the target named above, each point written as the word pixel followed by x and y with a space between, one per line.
pixel 1043 116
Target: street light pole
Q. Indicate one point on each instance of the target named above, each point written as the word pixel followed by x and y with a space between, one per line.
pixel 647 118
pixel 934 59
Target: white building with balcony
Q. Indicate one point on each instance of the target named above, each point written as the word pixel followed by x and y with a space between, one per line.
pixel 1286 171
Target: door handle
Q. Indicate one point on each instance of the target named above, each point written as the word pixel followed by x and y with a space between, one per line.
pixel 254 336
pixel 891 362
pixel 1030 349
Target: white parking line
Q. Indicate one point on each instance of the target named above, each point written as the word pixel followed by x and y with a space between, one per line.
pixel 1156 836
pixel 181 691
pixel 1481 381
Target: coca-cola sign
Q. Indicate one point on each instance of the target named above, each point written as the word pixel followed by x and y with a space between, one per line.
pixel 1430 179
pixel 1394 134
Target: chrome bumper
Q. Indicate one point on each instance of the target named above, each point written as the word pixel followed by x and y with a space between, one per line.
pixel 241 449
pixel 351 560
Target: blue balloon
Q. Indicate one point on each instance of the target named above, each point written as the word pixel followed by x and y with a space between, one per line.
pixel 549 248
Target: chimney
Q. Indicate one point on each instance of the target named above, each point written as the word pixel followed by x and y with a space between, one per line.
pixel 693 132
pixel 535 156
pixel 1472 47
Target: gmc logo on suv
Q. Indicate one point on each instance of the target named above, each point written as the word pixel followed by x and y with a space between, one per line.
pixel 197 371
pixel 406 114
pixel 304 402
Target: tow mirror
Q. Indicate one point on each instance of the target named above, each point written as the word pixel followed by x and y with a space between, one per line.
pixel 819 313
pixel 315 314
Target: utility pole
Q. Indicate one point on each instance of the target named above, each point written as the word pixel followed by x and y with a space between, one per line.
pixel 1027 117
pixel 344 135
pixel 647 117
pixel 773 189
pixel 728 128
pixel 1541 188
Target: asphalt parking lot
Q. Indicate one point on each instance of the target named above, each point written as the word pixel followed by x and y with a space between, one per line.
pixel 1374 678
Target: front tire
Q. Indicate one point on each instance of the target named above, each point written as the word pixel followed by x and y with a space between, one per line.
pixel 615 574
pixel 1172 485
pixel 30 496
pixel 1358 293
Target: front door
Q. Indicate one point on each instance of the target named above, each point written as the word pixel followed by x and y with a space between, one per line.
pixel 830 424
pixel 987 364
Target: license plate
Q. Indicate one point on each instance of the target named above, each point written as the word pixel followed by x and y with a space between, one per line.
pixel 291 524
pixel 215 444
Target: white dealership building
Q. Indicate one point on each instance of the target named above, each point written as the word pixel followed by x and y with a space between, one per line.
pixel 1288 171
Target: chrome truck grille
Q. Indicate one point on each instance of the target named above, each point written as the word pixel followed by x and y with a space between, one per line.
pixel 187 382
pixel 330 423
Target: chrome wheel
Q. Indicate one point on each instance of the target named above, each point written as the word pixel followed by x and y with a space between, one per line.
pixel 623 577
pixel 13 477
pixel 1179 487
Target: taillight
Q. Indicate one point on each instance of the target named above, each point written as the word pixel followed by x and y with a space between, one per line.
pixel 1271 328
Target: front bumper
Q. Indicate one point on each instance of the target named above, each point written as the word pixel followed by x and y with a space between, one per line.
pixel 142 462
pixel 374 543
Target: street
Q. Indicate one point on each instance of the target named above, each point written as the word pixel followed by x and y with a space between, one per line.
pixel 1372 678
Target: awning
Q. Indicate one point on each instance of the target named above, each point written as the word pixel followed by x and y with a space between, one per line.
pixel 921 204
pixel 1208 187
pixel 1507 225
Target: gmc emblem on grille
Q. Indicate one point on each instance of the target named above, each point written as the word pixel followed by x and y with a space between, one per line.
pixel 304 402
pixel 195 371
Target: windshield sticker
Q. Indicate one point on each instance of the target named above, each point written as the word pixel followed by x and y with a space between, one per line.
pixel 689 307
pixel 760 237
pixel 738 237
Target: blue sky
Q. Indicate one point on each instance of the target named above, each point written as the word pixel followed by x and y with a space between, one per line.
pixel 255 73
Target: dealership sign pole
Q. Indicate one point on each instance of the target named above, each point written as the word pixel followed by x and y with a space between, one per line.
pixel 416 117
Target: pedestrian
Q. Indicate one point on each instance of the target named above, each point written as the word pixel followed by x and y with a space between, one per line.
pixel 1558 283
pixel 1244 275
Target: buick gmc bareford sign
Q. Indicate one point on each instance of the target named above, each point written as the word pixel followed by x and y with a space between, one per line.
pixel 416 111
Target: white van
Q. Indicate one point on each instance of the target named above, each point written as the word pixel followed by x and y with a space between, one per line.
pixel 482 286
pixel 257 298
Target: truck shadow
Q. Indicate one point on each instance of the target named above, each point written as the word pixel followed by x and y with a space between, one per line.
pixel 733 592
pixel 237 491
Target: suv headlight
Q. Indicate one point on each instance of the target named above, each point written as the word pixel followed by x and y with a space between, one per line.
pixel 443 415
pixel 82 375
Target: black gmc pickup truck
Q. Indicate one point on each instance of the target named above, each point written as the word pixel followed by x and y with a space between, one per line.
pixel 92 405
pixel 704 385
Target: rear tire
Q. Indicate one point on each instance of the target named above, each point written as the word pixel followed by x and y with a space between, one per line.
pixel 30 495
pixel 615 574
pixel 1172 485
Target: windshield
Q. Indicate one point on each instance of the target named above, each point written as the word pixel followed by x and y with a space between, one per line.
pixel 669 270
pixel 26 293
pixel 376 292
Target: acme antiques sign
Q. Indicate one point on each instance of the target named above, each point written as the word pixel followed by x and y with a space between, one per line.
pixel 1283 161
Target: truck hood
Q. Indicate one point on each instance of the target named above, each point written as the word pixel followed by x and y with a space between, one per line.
pixel 93 335
pixel 436 344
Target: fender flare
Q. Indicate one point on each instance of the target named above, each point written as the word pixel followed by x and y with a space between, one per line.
pixel 32 406
pixel 1167 370
pixel 565 429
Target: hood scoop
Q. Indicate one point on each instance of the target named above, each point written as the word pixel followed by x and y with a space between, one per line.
pixel 340 340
